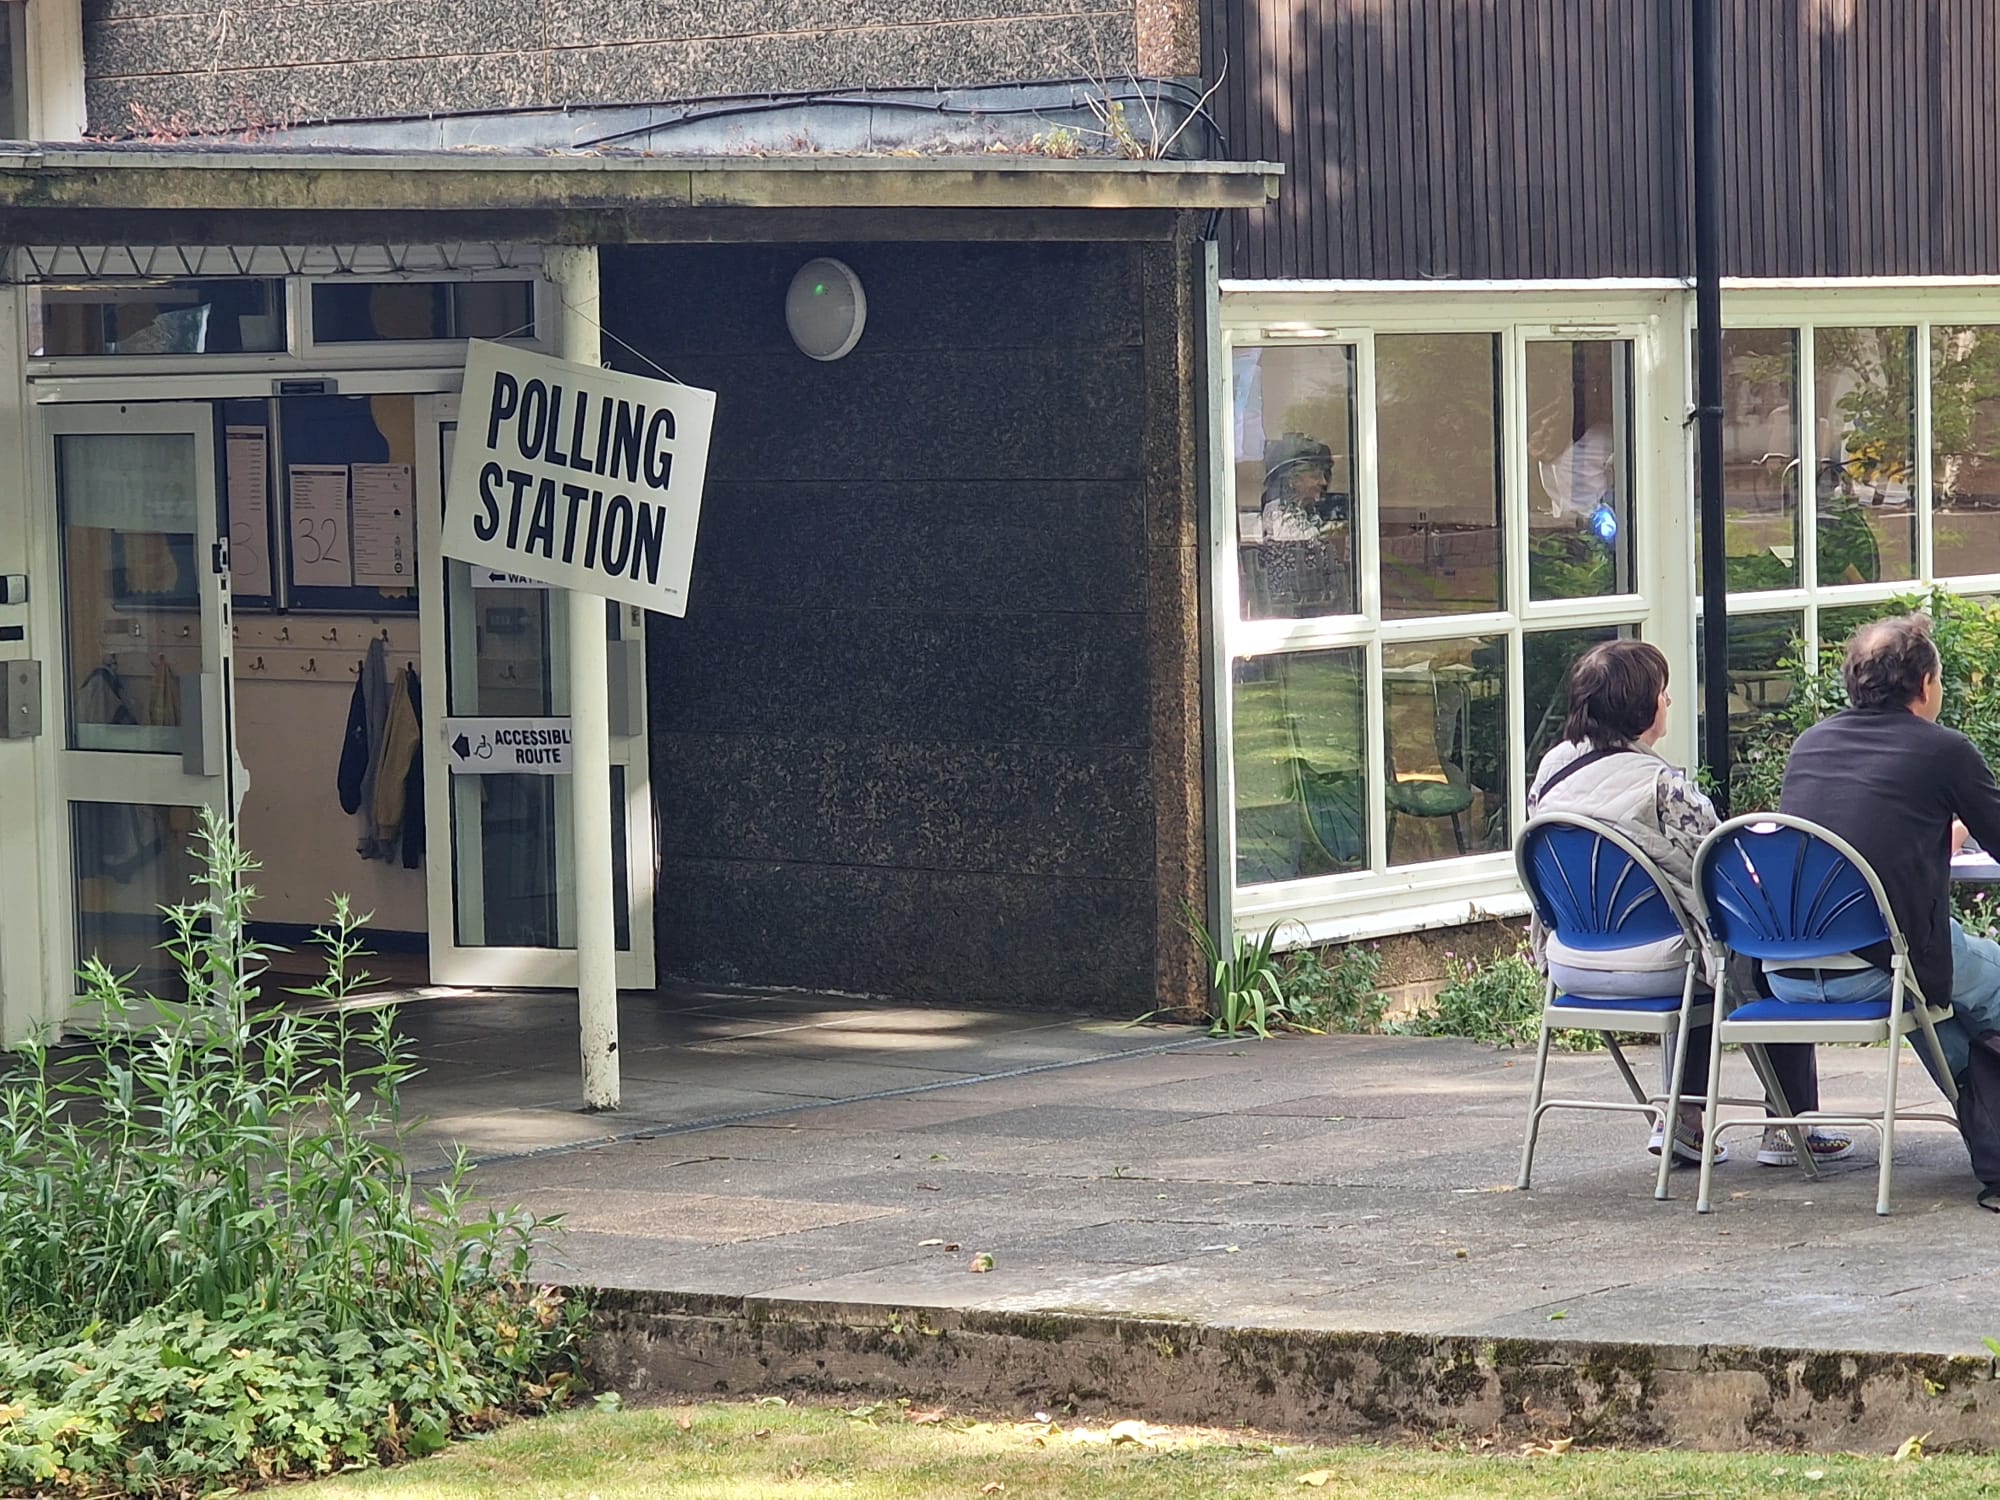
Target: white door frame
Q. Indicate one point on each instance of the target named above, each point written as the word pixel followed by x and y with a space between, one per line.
pixel 477 964
pixel 146 778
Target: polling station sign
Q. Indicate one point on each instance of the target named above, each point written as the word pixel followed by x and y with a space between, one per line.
pixel 507 747
pixel 578 477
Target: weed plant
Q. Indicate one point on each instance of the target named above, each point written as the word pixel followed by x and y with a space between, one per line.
pixel 1498 1002
pixel 1334 989
pixel 1253 987
pixel 203 1188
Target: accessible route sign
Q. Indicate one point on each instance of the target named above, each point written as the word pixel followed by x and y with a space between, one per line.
pixel 507 747
pixel 579 477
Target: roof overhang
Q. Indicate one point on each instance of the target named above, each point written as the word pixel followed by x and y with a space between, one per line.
pixel 105 194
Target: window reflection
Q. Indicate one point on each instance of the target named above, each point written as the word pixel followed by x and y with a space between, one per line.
pixel 1301 785
pixel 1445 736
pixel 1965 451
pixel 1437 399
pixel 1295 481
pixel 1760 457
pixel 1580 468
pixel 1865 438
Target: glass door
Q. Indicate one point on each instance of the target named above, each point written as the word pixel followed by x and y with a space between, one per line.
pixel 503 893
pixel 143 621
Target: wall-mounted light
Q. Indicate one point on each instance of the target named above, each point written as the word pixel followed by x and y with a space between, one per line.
pixel 825 308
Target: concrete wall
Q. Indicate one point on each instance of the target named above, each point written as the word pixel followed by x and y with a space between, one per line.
pixel 927 728
pixel 171 67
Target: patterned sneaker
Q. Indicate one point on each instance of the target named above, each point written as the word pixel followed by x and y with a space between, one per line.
pixel 1825 1145
pixel 1687 1145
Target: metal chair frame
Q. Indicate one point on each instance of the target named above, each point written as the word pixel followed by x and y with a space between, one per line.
pixel 1612 1016
pixel 1909 1012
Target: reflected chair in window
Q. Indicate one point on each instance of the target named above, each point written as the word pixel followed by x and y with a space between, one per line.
pixel 1332 805
pixel 1427 725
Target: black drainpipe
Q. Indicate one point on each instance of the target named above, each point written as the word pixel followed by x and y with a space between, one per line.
pixel 1707 188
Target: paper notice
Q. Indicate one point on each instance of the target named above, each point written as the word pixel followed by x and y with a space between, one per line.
pixel 385 526
pixel 247 453
pixel 319 526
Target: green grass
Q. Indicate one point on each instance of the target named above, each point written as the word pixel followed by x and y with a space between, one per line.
pixel 887 1451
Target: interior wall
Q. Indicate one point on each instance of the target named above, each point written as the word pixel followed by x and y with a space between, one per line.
pixel 903 740
pixel 290 725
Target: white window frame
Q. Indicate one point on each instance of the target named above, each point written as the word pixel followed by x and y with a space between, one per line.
pixel 1804 308
pixel 1385 899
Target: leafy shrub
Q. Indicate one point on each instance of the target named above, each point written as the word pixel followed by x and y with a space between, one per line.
pixel 1498 1002
pixel 1244 989
pixel 1334 990
pixel 206 1184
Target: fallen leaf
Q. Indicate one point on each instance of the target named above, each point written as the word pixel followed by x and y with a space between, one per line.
pixel 922 1243
pixel 925 1418
pixel 1814 1474
pixel 684 1422
pixel 1460 1254
pixel 1130 1431
pixel 1318 1478
pixel 981 1262
pixel 772 1401
pixel 993 1487
pixel 1911 1447
pixel 761 1432
pixel 1558 1315
pixel 952 1248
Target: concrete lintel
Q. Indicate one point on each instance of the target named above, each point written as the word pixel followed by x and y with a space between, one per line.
pixel 85 180
pixel 1318 1383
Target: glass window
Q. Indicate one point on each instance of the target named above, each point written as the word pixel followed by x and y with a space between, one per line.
pixel 359 312
pixel 1546 657
pixel 1301 784
pixel 241 316
pixel 1445 740
pixel 1437 400
pixel 1294 425
pixel 131 589
pixel 1965 451
pixel 1865 442
pixel 128 862
pixel 1579 413
pixel 1760 457
pixel 1759 681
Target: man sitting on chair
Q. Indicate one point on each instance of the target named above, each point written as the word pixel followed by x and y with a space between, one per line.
pixel 1885 776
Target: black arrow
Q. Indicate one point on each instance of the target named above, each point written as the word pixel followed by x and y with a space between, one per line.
pixel 462 748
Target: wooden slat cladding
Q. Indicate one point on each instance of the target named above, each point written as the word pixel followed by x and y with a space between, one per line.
pixel 1530 139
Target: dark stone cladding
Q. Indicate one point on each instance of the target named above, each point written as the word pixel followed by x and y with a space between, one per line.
pixel 903 740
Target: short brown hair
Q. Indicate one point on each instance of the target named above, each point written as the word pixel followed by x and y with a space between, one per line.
pixel 1614 692
pixel 1889 660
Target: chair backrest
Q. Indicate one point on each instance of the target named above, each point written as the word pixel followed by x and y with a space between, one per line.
pixel 1593 887
pixel 1775 887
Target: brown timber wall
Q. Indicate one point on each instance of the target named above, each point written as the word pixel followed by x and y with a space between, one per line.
pixel 1547 138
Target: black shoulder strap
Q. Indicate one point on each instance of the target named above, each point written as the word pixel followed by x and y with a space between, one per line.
pixel 1578 764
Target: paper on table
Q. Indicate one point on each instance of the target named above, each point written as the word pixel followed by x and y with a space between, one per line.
pixel 247 452
pixel 319 526
pixel 385 526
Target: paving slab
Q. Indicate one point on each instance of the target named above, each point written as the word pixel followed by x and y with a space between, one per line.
pixel 791 1146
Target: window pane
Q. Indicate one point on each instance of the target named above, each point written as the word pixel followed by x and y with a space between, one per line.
pixel 1295 481
pixel 1836 625
pixel 1301 790
pixel 128 861
pixel 1965 451
pixel 369 311
pixel 238 316
pixel 1760 457
pixel 131 585
pixel 1437 405
pixel 1579 468
pixel 1865 429
pixel 1445 730
pixel 1759 686
pixel 1546 657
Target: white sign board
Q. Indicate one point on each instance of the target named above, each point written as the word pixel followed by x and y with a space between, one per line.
pixel 579 477
pixel 487 578
pixel 507 747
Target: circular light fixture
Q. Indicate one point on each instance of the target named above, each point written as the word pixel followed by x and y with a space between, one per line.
pixel 825 308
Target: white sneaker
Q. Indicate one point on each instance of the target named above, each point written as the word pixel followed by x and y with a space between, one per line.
pixel 1687 1144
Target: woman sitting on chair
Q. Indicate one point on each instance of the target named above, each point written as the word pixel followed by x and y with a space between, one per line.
pixel 1606 768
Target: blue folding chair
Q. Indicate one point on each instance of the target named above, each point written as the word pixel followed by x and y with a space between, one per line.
pixel 1598 892
pixel 1785 891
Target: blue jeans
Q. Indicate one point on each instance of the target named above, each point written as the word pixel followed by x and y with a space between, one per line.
pixel 1975 994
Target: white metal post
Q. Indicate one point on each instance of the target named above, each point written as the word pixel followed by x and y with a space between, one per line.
pixel 574 273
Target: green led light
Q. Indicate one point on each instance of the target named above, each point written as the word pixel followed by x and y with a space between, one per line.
pixel 819 288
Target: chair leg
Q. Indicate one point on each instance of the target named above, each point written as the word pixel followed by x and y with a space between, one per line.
pixel 1774 1096
pixel 1458 831
pixel 1672 1122
pixel 1702 1202
pixel 1888 1161
pixel 1535 1098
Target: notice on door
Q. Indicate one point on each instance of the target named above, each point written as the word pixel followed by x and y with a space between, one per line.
pixel 581 477
pixel 318 494
pixel 507 747
pixel 385 525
